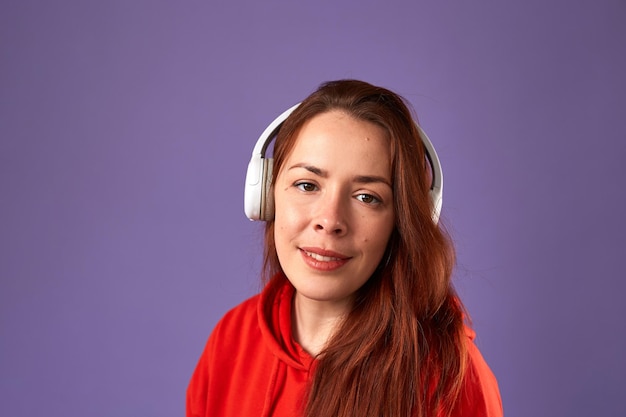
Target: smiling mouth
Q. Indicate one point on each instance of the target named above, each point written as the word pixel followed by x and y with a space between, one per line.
pixel 322 258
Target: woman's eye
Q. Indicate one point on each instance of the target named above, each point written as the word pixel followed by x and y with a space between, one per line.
pixel 367 199
pixel 306 186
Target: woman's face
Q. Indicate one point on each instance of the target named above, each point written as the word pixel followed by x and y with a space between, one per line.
pixel 333 206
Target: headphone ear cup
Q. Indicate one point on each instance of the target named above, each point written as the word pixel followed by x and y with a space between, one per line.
pixel 435 197
pixel 267 201
pixel 258 196
pixel 253 190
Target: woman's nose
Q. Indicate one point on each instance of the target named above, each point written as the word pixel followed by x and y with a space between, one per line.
pixel 331 216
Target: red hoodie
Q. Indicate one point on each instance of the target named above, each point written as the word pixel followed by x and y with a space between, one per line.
pixel 251 366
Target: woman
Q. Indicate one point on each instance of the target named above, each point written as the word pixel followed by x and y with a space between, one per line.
pixel 358 316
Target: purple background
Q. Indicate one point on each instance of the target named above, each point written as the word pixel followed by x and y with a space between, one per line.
pixel 126 128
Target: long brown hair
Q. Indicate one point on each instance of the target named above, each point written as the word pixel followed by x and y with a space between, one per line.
pixel 401 350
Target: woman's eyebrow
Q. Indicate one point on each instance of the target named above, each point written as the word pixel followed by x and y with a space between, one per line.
pixel 368 179
pixel 361 179
pixel 317 171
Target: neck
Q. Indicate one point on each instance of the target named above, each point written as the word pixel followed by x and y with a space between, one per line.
pixel 314 322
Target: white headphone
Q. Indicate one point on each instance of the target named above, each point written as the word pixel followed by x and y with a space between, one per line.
pixel 258 200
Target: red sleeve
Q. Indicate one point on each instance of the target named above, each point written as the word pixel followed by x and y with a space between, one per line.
pixel 480 395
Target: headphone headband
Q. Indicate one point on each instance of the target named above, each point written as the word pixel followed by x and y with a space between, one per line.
pixel 258 201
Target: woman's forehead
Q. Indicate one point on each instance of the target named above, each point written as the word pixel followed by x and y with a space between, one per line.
pixel 335 140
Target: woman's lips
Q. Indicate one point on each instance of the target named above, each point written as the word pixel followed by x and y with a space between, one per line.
pixel 323 260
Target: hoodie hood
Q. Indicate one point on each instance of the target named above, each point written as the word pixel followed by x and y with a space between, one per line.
pixel 275 321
